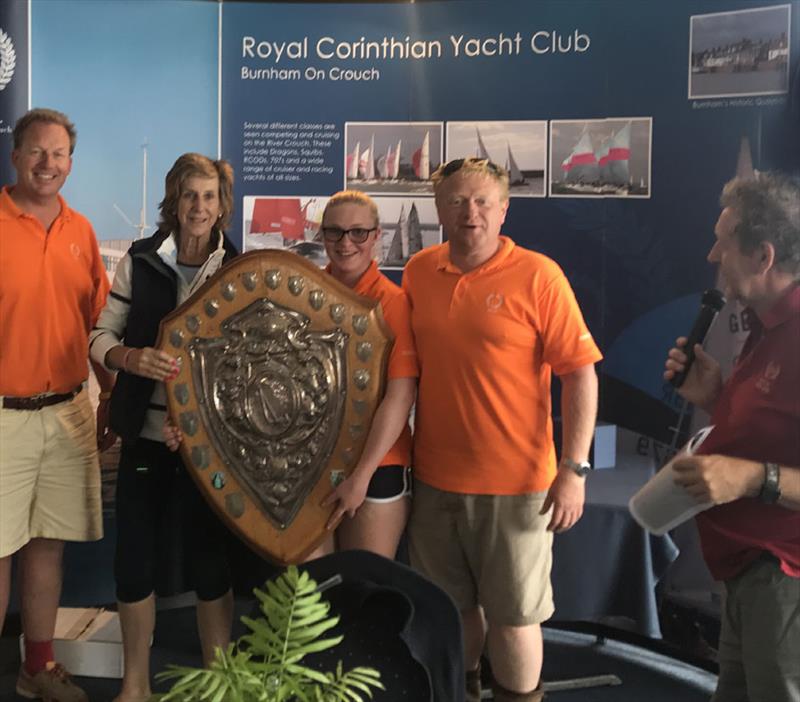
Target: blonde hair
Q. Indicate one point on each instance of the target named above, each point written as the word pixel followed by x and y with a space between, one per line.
pixel 353 197
pixel 472 165
pixel 195 165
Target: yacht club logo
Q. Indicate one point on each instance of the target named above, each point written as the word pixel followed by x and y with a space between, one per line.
pixel 769 376
pixel 494 301
pixel 8 59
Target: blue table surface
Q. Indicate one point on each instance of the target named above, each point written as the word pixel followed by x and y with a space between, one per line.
pixel 607 566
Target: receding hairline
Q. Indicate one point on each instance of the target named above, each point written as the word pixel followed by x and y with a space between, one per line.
pixel 46 116
pixel 27 133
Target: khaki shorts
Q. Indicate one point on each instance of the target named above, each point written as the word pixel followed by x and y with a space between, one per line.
pixel 488 550
pixel 49 475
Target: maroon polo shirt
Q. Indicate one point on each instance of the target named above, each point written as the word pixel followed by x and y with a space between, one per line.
pixel 758 417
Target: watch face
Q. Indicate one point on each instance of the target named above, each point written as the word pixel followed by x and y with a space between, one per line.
pixel 583 469
pixel 771 490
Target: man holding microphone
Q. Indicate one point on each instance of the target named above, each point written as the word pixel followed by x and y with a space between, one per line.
pixel 749 464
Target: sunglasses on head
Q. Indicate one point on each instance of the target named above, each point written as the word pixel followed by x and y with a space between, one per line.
pixel 358 235
pixel 457 164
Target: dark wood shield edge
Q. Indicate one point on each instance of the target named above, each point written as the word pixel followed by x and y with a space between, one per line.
pixel 231 502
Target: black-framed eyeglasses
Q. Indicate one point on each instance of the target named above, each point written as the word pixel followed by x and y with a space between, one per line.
pixel 358 235
pixel 457 164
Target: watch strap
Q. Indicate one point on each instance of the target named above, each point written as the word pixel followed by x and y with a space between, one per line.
pixel 771 487
pixel 582 469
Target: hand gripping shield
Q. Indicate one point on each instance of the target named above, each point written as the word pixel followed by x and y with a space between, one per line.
pixel 281 370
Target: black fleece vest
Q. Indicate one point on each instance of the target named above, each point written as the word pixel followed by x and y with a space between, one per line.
pixel 154 294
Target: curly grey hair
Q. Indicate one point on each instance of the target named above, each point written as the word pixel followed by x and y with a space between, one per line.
pixel 768 210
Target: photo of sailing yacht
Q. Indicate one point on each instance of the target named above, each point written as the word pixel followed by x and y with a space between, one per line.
pixel 288 223
pixel 392 158
pixel 601 157
pixel 520 146
pixel 408 225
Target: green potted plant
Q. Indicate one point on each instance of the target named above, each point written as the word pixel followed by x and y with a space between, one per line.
pixel 266 665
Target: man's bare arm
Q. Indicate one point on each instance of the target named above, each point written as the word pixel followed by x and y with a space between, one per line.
pixel 720 479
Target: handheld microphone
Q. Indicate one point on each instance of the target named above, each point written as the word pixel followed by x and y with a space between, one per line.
pixel 711 303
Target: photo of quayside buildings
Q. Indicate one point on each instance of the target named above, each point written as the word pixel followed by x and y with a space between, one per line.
pixel 386 158
pixel 603 168
pixel 740 53
pixel 744 56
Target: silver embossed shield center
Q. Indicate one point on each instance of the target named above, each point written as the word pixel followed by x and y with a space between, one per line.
pixel 272 392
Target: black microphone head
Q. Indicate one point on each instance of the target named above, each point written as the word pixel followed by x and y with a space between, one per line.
pixel 714 299
pixel 710 304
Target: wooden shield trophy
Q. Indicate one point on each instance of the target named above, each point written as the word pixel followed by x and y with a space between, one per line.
pixel 281 370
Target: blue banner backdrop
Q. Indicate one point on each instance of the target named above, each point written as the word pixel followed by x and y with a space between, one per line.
pixel 13 77
pixel 295 77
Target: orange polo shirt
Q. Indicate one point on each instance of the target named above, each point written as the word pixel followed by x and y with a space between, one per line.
pixel 403 357
pixel 52 288
pixel 487 343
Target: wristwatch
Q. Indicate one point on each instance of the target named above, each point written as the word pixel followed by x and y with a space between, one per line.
pixel 771 488
pixel 582 469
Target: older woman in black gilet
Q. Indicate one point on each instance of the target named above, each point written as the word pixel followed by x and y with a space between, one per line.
pixel 168 540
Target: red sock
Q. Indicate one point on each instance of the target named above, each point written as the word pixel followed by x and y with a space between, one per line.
pixel 37 655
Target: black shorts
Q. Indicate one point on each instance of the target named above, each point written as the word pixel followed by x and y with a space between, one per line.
pixel 389 483
pixel 168 539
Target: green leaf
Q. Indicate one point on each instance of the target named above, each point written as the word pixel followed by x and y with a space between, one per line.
pixel 213 683
pixel 265 664
pixel 316 629
pixel 220 694
pixel 300 652
pixel 304 672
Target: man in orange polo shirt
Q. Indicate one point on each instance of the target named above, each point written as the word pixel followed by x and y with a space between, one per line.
pixel 52 288
pixel 492 321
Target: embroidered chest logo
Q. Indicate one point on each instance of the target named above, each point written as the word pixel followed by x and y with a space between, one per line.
pixel 494 301
pixel 768 377
pixel 75 250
